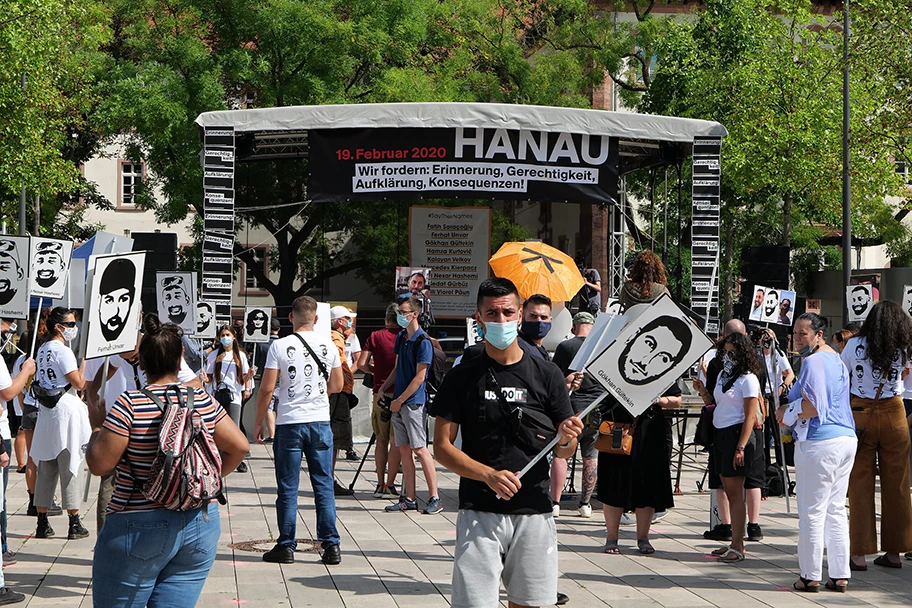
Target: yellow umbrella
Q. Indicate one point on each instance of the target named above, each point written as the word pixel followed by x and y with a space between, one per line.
pixel 538 268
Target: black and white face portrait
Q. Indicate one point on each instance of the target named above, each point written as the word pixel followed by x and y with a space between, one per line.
pixel 322 387
pixel 12 274
pixel 323 350
pixel 770 303
pixel 860 351
pixel 654 350
pixel 52 375
pixel 256 324
pixel 116 290
pixel 290 352
pixel 308 370
pixel 308 389
pixel 907 299
pixel 860 301
pixel 876 374
pixel 175 299
pixel 204 317
pixel 291 392
pixel 859 371
pixel 50 265
pixel 893 376
pixel 292 372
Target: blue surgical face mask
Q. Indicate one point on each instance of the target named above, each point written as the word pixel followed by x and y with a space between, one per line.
pixel 350 324
pixel 501 335
pixel 536 330
pixel 226 341
pixel 402 320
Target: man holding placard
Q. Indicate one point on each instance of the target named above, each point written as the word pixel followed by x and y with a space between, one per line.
pixel 505 530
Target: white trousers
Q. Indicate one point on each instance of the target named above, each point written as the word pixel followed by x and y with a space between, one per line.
pixel 822 469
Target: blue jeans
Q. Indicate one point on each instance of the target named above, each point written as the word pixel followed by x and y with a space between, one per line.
pixel 313 441
pixel 158 558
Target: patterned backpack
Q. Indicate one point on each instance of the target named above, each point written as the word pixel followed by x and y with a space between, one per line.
pixel 186 472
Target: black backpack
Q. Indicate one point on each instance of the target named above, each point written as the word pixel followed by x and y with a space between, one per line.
pixel 437 369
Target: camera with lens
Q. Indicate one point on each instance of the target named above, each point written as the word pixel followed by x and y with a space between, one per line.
pixel 386 414
pixel 759 336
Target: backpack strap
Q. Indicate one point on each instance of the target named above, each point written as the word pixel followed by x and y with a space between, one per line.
pixel 322 367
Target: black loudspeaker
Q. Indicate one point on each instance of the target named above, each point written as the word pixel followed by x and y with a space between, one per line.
pixel 767 266
pixel 161 255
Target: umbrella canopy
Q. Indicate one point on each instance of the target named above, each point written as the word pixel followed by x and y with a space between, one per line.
pixel 538 268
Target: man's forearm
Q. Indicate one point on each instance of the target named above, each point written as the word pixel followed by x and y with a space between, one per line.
pixel 565 451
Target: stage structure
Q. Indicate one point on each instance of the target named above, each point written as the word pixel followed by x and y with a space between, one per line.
pixel 379 152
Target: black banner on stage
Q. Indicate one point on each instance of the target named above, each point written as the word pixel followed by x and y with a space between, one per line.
pixel 374 164
pixel 707 174
pixel 218 220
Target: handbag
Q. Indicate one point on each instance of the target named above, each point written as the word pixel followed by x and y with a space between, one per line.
pixel 48 397
pixel 532 429
pixel 223 396
pixel 704 435
pixel 615 437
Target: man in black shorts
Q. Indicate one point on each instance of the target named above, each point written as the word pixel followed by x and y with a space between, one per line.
pixel 505 531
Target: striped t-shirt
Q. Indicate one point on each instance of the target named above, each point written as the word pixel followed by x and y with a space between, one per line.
pixel 136 417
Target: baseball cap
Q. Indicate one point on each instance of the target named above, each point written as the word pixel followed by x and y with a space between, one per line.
pixel 337 312
pixel 582 318
pixel 275 324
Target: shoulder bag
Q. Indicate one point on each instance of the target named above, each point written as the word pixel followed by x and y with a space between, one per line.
pixel 615 437
pixel 532 429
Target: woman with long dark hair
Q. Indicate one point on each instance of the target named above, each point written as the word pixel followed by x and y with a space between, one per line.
pixel 146 553
pixel 228 372
pixel 736 394
pixel 62 428
pixel 818 404
pixel 876 359
pixel 646 281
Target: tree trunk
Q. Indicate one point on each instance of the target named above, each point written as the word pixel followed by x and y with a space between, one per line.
pixel 726 274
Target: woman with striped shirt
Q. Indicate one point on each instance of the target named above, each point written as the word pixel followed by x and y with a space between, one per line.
pixel 147 554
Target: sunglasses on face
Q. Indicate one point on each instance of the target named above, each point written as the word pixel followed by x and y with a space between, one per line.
pixel 68 323
pixel 405 312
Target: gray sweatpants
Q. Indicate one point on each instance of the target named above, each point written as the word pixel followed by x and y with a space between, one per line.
pixel 49 471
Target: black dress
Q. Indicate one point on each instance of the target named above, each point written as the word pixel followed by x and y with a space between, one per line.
pixel 642 479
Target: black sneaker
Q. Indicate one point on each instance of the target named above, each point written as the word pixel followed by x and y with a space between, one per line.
pixel 352 455
pixel 77 530
pixel 44 529
pixel 720 532
pixel 55 509
pixel 340 490
pixel 8 596
pixel 754 533
pixel 268 441
pixel 242 468
pixel 332 555
pixel 279 555
pixel 562 598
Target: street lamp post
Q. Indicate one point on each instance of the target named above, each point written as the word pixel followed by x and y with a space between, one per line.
pixel 846 180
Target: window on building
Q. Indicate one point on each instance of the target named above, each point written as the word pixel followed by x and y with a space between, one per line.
pixel 131 178
pixel 903 169
pixel 251 282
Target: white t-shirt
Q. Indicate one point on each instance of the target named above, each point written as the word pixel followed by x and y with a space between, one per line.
pixel 907 387
pixel 229 375
pixel 352 348
pixel 5 383
pixel 782 363
pixel 301 389
pixel 730 405
pixel 866 380
pixel 55 360
pixel 29 400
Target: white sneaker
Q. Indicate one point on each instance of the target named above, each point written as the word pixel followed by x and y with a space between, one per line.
pixel 555 511
pixel 626 520
pixel 585 511
pixel 659 515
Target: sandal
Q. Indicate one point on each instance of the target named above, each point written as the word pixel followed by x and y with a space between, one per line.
pixel 611 547
pixel 645 547
pixel 837 585
pixel 738 556
pixel 720 552
pixel 806 585
pixel 884 561
pixel 856 567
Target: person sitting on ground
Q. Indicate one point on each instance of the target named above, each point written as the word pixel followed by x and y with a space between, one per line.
pixel 147 554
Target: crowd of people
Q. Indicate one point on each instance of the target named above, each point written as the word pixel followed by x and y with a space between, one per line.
pixel 848 409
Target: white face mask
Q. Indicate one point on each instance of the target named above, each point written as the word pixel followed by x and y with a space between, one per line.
pixel 70 333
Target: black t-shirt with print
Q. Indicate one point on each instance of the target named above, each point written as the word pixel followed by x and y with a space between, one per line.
pixel 467 399
pixel 589 390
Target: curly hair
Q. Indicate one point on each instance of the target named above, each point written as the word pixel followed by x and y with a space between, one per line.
pixel 648 269
pixel 887 331
pixel 744 354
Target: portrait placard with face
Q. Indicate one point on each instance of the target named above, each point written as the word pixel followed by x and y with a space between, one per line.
pixel 613 307
pixel 413 280
pixel 907 299
pixel 256 323
pixel 176 296
pixel 50 265
pixel 860 301
pixel 14 276
pixel 652 351
pixel 206 326
pixel 786 313
pixel 770 309
pixel 756 307
pixel 114 303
